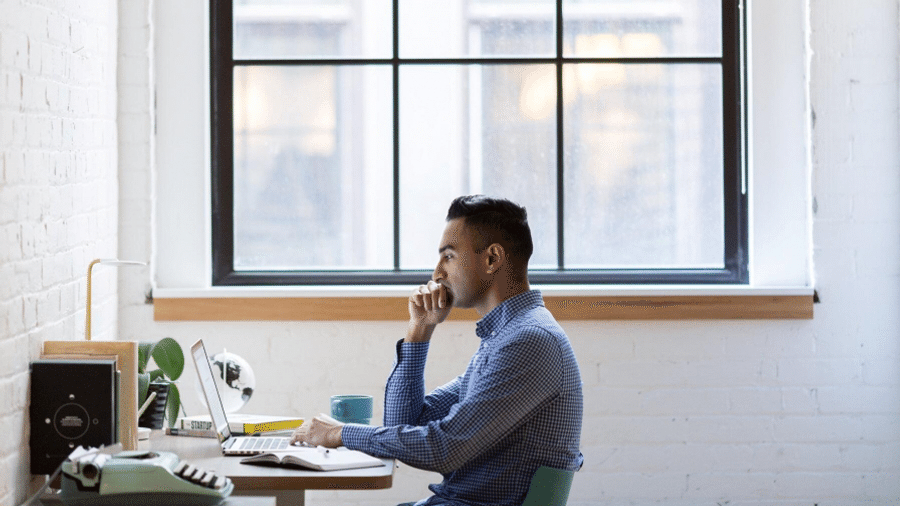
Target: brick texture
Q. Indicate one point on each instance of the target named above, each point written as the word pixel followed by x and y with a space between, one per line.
pixel 58 194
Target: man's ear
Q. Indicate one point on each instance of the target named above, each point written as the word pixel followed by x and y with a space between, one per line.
pixel 496 257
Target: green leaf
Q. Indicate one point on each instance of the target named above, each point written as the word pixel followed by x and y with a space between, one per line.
pixel 156 375
pixel 173 404
pixel 168 356
pixel 143 387
pixel 144 350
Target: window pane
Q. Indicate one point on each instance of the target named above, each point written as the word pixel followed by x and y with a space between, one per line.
pixel 642 143
pixel 312 167
pixel 642 28
pixel 475 129
pixel 455 28
pixel 643 149
pixel 282 29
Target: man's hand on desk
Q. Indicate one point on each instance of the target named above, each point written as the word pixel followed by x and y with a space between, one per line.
pixel 322 430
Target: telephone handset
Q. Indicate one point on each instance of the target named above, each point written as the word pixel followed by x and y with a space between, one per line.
pixel 140 478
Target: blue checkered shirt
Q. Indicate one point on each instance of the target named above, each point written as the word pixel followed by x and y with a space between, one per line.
pixel 517 407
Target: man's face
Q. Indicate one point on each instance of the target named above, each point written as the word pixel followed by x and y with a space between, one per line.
pixel 460 269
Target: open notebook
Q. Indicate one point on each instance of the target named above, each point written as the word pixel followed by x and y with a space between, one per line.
pixel 321 459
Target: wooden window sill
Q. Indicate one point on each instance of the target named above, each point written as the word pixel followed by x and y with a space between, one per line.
pixel 385 308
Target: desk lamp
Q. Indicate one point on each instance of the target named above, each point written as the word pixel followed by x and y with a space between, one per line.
pixel 87 311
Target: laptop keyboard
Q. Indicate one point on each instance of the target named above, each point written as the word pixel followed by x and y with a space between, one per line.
pixel 264 443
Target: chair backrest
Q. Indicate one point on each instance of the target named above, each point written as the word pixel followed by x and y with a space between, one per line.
pixel 549 487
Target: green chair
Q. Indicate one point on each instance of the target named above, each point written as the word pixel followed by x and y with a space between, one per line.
pixel 549 487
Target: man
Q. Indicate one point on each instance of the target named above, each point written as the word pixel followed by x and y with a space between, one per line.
pixel 517 407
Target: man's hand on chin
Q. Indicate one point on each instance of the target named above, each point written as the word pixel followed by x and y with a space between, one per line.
pixel 429 306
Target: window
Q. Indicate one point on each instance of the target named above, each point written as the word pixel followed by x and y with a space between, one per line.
pixel 342 130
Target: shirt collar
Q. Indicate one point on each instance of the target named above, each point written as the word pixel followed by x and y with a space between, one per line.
pixel 492 322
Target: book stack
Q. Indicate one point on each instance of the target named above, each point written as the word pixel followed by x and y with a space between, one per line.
pixel 240 423
pixel 125 353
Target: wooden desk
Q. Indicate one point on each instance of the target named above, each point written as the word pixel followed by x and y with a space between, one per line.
pixel 286 484
pixel 231 501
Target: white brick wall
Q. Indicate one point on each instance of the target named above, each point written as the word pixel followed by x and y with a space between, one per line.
pixel 58 194
pixel 136 181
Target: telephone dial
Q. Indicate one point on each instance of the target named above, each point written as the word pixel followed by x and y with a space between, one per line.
pixel 140 478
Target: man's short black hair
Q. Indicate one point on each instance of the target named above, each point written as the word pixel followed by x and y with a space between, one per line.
pixel 495 220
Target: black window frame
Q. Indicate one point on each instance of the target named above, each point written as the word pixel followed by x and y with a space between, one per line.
pixel 734 82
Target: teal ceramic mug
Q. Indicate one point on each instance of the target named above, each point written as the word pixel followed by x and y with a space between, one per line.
pixel 352 408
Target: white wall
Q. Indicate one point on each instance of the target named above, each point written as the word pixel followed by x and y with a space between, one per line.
pixel 678 413
pixel 58 195
pixel 700 412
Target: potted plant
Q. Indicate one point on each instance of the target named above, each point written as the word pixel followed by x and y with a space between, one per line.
pixel 169 359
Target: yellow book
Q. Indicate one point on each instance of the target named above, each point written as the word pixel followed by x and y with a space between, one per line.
pixel 241 423
pixel 282 424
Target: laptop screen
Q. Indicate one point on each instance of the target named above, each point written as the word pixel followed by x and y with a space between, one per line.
pixel 210 391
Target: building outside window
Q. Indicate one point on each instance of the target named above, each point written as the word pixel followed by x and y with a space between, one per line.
pixel 341 135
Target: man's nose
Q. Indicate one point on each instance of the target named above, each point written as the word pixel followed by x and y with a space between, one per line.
pixel 438 273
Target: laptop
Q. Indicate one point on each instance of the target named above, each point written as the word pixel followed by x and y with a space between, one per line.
pixel 231 444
